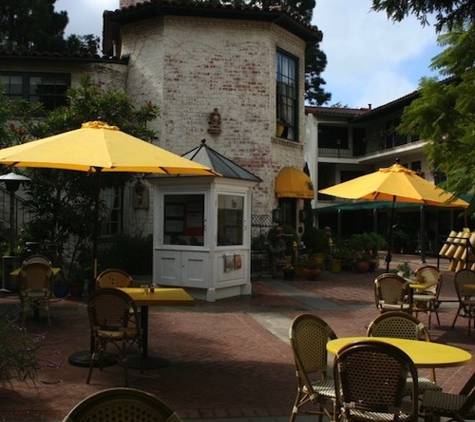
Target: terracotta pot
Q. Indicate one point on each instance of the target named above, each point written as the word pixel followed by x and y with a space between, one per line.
pixel 361 266
pixel 312 274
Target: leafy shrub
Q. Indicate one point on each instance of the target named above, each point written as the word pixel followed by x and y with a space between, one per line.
pixel 18 353
pixel 132 254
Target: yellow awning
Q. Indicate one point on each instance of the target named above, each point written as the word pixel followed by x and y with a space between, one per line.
pixel 293 183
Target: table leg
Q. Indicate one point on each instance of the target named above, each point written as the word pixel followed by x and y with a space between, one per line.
pixel 148 362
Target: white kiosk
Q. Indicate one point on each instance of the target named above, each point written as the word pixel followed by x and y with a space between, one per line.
pixel 202 228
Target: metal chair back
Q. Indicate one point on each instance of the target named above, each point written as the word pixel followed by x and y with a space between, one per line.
pixel 464 282
pixel 370 382
pixel 113 277
pixel 391 293
pixel 309 336
pixel 121 405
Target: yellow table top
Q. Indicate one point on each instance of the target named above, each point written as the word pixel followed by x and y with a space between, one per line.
pixel 422 286
pixel 16 272
pixel 162 296
pixel 424 354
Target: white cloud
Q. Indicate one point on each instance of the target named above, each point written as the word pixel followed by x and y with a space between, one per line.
pixel 85 16
pixel 370 59
pixel 367 53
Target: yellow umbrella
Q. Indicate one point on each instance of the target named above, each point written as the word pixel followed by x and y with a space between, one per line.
pixel 98 147
pixel 395 183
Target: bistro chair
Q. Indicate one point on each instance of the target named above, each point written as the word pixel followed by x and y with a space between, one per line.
pixel 464 281
pixel 397 324
pixel 370 382
pixel 427 300
pixel 37 258
pixel 458 407
pixel 114 277
pixel 35 288
pixel 110 321
pixel 391 293
pixel 121 405
pixel 309 335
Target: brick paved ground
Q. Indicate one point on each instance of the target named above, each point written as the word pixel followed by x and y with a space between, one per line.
pixel 223 362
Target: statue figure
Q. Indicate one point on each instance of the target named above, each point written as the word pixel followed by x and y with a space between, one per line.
pixel 214 122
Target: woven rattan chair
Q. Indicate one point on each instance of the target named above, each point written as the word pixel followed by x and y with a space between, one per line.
pixel 109 311
pixel 397 324
pixel 370 381
pixel 309 335
pixel 35 288
pixel 465 295
pixel 121 405
pixel 36 258
pixel 114 277
pixel 391 293
pixel 458 407
pixel 427 300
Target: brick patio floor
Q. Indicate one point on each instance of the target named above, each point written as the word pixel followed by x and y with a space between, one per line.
pixel 224 361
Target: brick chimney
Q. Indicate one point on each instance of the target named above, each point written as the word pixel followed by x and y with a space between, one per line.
pixel 127 3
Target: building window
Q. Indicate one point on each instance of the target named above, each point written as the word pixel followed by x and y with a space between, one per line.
pixel 230 220
pixel 286 97
pixel 183 220
pixel 48 88
pixel 112 220
pixel 333 137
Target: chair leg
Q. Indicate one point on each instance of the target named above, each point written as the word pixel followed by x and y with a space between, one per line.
pixel 456 316
pixel 91 365
pixel 294 412
pixel 48 314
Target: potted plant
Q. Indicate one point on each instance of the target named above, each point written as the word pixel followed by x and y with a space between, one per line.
pixel 362 263
pixel 289 272
pixel 372 242
pixel 312 270
pixel 317 243
pixel 61 286
pixel 364 250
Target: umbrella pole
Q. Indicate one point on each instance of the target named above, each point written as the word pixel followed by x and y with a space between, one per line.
pixel 390 241
pixel 96 224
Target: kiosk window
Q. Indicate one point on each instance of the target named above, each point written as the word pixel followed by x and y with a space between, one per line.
pixel 183 220
pixel 230 220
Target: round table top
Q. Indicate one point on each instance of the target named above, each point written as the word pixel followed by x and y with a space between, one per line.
pixel 424 354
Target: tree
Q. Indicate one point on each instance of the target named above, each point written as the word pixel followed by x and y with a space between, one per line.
pixel 447 12
pixel 444 114
pixel 64 200
pixel 33 25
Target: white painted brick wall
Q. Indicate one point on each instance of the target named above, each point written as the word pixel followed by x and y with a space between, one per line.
pixel 188 66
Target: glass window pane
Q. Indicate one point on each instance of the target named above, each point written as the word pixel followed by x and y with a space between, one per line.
pixel 286 97
pixel 230 220
pixel 183 220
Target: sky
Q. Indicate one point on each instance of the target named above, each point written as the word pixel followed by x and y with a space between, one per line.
pixel 371 60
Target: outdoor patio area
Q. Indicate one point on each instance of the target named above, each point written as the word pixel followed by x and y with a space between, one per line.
pixel 227 359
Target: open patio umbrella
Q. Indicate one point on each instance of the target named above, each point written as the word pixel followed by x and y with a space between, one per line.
pixel 97 147
pixel 396 184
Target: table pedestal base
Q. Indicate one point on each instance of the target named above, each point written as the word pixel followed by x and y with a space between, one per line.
pixel 83 358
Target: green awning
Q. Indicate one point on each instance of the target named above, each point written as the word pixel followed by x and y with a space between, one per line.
pixel 365 205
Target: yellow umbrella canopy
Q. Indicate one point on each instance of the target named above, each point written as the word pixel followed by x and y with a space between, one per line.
pixel 99 147
pixel 395 183
pixel 95 148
